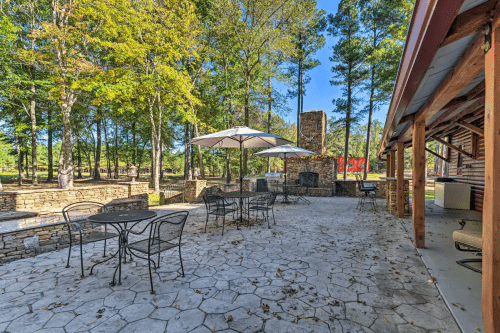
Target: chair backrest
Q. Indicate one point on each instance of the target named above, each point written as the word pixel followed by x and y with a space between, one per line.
pixel 212 201
pixel 79 211
pixel 169 227
pixel 271 199
pixel 360 184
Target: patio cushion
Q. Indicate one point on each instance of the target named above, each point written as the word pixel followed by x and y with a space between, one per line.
pixel 469 237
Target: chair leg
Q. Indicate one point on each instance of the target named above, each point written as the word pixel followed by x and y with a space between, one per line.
pixel 206 222
pixel 223 224
pixel 268 225
pixel 272 210
pixel 70 245
pixel 81 252
pixel 464 263
pixel 180 258
pixel 150 275
pixel 105 235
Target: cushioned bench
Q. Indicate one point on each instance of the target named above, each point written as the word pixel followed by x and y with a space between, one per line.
pixel 470 240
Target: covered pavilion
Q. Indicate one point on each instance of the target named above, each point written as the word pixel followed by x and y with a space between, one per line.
pixel 448 90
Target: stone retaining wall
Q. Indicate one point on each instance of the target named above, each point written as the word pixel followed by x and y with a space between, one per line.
pixel 54 200
pixel 34 239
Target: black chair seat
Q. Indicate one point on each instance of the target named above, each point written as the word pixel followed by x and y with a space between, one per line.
pixel 223 211
pixel 97 236
pixel 142 246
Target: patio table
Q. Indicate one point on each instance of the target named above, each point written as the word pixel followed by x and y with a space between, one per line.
pixel 119 221
pixel 241 197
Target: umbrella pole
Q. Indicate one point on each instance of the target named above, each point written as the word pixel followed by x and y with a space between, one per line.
pixel 241 175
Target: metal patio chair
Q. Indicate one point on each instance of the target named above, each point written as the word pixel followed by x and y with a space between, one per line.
pixel 264 204
pixel 368 193
pixel 469 240
pixel 218 206
pixel 75 216
pixel 165 232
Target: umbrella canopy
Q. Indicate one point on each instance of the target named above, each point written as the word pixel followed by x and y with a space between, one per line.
pixel 240 137
pixel 285 151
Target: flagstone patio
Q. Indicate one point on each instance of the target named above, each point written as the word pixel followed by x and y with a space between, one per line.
pixel 325 267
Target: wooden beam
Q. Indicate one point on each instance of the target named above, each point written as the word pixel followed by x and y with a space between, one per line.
pixel 476 106
pixel 418 183
pixel 467 68
pixel 449 145
pixel 437 155
pixel 470 22
pixel 400 179
pixel 454 104
pixel 473 144
pixel 407 118
pixel 470 127
pixel 393 164
pixel 491 207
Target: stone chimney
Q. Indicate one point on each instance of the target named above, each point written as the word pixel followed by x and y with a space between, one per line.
pixel 313 131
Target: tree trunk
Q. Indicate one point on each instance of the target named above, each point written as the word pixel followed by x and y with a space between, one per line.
pixel 34 164
pixel 134 151
pixel 97 160
pixel 27 167
pixel 161 159
pixel 50 167
pixel 79 161
pixel 187 149
pixel 65 172
pixel 369 129
pixel 200 156
pixel 19 160
pixel 116 150
pixel 228 166
pixel 108 159
pixel 347 124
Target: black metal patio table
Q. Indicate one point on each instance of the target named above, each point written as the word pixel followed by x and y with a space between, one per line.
pixel 241 198
pixel 119 221
pixel 286 191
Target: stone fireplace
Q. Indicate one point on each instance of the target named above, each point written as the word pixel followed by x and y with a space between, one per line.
pixel 318 170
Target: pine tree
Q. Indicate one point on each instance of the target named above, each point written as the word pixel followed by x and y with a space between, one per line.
pixel 349 71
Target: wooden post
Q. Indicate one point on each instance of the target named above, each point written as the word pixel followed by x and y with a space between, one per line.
pixel 393 164
pixel 400 178
pixel 418 180
pixel 491 208
pixel 388 165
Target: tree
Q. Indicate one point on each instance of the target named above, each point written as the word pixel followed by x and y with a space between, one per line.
pixel 384 22
pixel 348 58
pixel 254 29
pixel 307 40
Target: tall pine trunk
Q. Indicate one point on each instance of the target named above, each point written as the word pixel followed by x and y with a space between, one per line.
pixel 19 160
pixel 369 129
pixel 347 123
pixel 79 159
pixel 198 147
pixel 108 159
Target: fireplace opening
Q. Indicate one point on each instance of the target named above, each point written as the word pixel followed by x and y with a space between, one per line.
pixel 308 179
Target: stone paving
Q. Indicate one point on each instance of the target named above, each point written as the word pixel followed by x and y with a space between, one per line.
pixel 325 267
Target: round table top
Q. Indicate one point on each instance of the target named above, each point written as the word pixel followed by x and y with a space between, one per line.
pixel 237 195
pixel 122 216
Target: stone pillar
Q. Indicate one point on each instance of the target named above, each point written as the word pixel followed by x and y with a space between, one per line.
pixel 313 131
pixel 247 184
pixel 193 190
pixel 392 204
pixel 138 190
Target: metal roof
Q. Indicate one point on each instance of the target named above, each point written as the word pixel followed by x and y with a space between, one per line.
pixel 442 63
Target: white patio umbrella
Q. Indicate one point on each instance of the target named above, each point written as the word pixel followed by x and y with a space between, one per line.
pixel 284 152
pixel 239 137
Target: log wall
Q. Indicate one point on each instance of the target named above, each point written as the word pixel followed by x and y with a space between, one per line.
pixel 472 171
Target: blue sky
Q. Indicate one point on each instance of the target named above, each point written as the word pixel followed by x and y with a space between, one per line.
pixel 319 92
